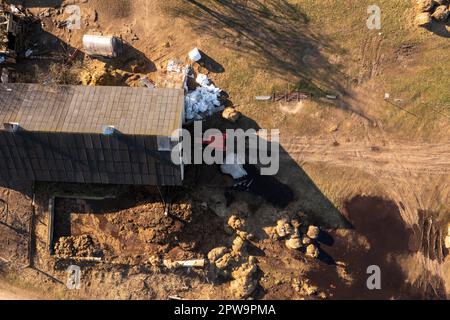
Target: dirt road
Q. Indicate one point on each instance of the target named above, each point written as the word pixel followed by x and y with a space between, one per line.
pixel 414 175
pixel 393 157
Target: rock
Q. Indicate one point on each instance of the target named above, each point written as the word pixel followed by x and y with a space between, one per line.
pixel 441 13
pixel 448 229
pixel 313 232
pixel 283 228
pixel 306 241
pixel 236 223
pixel 217 253
pixel 425 5
pixel 245 279
pixel 243 287
pixel 225 262
pixel 239 247
pixel 231 114
pixel 308 289
pixel 244 235
pixel 155 261
pixel 423 19
pixel 294 242
pixel 312 251
pixel 247 269
pixel 447 242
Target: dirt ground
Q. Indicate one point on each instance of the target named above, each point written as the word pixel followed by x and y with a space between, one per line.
pixel 374 177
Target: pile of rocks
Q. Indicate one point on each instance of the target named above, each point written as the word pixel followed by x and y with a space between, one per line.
pixel 75 246
pixel 237 265
pixel 291 232
pixel 429 10
pixel 237 224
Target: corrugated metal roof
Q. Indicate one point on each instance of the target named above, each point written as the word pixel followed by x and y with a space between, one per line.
pixel 86 109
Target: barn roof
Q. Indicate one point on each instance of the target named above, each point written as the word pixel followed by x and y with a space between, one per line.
pixel 86 109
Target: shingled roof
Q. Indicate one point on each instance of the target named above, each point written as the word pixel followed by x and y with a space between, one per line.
pixel 84 109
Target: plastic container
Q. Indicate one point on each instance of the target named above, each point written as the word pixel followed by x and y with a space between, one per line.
pixel 195 55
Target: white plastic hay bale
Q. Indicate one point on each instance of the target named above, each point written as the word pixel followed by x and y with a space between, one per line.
pixel 195 55
pixel 233 166
pixel 202 79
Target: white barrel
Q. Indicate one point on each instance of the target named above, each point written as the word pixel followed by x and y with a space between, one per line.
pixel 105 46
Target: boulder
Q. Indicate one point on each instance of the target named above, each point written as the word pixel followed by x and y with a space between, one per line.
pixel 423 19
pixel 245 281
pixel 217 253
pixel 238 247
pixel 425 5
pixel 236 223
pixel 312 251
pixel 283 228
pixel 231 114
pixel 294 242
pixel 441 13
pixel 243 287
pixel 313 232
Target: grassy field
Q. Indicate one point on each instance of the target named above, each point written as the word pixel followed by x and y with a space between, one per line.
pixel 327 48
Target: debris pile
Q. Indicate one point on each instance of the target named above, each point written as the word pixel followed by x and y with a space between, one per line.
pixel 239 226
pixel 74 246
pixel 235 264
pixel 429 10
pixel 297 236
pixel 204 100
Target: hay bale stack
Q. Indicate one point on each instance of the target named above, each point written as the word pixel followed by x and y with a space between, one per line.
pixel 425 5
pixel 441 13
pixel 423 19
pixel 429 10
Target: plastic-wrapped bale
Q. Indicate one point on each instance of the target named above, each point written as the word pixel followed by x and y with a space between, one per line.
pixel 423 19
pixel 441 13
pixel 425 5
pixel 233 166
pixel 201 100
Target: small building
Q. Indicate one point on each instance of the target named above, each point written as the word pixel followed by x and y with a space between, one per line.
pixel 105 135
pixel 12 31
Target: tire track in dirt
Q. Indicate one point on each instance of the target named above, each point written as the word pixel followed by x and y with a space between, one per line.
pixel 395 158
